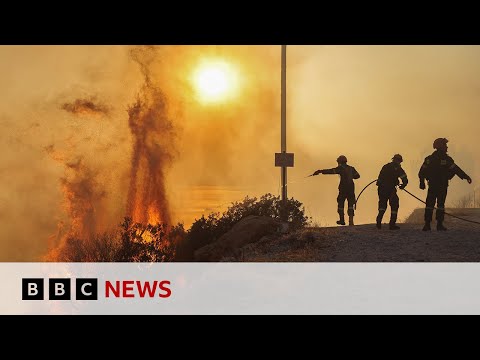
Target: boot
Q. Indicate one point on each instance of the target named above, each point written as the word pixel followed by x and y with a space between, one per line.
pixel 342 220
pixel 392 226
pixel 426 227
pixel 440 226
pixel 350 220
pixel 393 220
pixel 379 219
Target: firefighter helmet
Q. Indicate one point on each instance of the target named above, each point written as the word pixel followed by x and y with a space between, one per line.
pixel 397 157
pixel 440 143
pixel 342 159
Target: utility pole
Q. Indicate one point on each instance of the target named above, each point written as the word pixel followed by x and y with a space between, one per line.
pixel 284 120
pixel 284 159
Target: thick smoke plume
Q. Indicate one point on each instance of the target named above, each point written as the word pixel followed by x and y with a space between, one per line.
pixel 86 191
pixel 153 149
pixel 83 199
pixel 86 107
pixel 367 102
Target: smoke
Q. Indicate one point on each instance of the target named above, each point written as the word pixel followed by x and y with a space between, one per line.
pixel 153 147
pixel 226 149
pixel 161 155
pixel 371 102
pixel 85 186
pixel 70 176
pixel 87 189
pixel 83 199
pixel 86 107
pixel 60 172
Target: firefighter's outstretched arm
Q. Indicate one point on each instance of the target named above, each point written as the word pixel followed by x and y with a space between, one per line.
pixel 329 171
pixel 456 170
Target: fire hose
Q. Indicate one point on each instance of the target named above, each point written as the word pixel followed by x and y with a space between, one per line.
pixel 408 192
pixel 358 197
pixel 454 216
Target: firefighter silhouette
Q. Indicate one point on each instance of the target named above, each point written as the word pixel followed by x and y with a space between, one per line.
pixel 387 183
pixel 438 169
pixel 346 188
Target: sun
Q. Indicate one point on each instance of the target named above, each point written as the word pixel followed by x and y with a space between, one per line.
pixel 215 81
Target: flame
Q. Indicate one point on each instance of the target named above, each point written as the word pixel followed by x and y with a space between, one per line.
pixel 153 137
pixel 83 203
pixel 153 140
pixel 153 215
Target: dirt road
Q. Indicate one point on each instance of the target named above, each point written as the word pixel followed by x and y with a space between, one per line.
pixel 365 243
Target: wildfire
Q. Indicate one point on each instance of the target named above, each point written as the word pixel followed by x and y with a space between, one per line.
pixel 153 137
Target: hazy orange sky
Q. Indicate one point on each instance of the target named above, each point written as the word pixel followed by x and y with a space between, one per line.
pixel 64 104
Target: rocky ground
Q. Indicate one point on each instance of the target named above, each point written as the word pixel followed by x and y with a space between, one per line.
pixel 365 243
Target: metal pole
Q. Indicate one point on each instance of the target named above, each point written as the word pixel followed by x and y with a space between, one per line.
pixel 284 120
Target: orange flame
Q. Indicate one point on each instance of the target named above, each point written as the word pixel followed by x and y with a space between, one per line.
pixel 153 137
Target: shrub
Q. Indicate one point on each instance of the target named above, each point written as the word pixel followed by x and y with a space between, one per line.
pixel 208 229
pixel 133 243
pixel 144 243
pixel 466 201
pixel 136 242
pixel 101 248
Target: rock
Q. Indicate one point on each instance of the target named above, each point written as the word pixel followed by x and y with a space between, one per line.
pixel 248 230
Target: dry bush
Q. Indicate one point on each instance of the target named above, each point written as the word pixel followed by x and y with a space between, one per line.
pixel 134 242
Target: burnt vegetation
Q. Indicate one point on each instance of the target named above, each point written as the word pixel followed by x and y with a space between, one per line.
pixel 136 242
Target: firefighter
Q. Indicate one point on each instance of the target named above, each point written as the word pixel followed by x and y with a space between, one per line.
pixel 346 188
pixel 438 168
pixel 387 190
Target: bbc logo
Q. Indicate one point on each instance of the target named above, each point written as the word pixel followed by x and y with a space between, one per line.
pixel 59 289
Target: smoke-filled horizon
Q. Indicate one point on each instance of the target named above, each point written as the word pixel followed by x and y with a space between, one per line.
pixel 94 133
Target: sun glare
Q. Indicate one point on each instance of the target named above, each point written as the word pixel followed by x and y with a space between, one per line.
pixel 215 81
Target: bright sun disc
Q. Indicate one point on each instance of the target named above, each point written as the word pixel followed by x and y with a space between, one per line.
pixel 215 81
